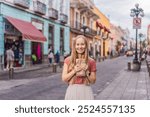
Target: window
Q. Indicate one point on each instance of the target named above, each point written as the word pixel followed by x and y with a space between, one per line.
pixel 76 20
pixel 62 41
pixel 83 21
pixel 51 37
pixel 62 6
pixel 51 3
pixel 91 24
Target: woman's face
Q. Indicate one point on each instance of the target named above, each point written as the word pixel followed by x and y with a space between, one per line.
pixel 80 45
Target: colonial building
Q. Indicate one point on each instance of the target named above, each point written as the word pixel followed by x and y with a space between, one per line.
pixel 148 34
pixel 31 27
pixel 83 21
pixel 120 39
pixel 103 33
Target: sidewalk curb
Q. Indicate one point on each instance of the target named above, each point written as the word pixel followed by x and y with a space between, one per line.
pixel 24 70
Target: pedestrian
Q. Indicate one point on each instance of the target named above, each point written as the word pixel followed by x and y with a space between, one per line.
pixel 9 58
pixel 57 56
pixel 79 71
pixel 34 58
pixel 50 57
pixel 146 54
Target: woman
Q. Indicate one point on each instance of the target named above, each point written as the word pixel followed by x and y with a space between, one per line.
pixel 79 71
pixel 10 58
pixel 50 57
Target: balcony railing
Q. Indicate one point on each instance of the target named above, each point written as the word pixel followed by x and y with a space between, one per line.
pixel 92 31
pixel 77 27
pixel 22 3
pixel 39 7
pixel 53 13
pixel 81 3
pixel 63 18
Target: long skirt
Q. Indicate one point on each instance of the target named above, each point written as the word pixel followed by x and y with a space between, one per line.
pixel 79 92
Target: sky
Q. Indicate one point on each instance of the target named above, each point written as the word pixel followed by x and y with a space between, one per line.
pixel 118 12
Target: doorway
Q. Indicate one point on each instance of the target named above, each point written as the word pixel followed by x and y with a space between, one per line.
pixel 36 55
pixel 17 45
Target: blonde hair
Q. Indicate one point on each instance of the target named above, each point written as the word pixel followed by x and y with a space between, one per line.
pixel 74 54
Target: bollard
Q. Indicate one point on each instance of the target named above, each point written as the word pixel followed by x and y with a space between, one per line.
pixel 103 59
pixel 54 67
pixel 129 65
pixel 11 73
pixel 99 59
pixel 60 64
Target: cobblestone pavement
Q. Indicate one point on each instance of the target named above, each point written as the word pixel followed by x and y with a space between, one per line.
pixel 128 85
pixel 113 82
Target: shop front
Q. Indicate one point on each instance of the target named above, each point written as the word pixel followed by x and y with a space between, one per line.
pixel 16 43
pixel 16 33
pixel 36 53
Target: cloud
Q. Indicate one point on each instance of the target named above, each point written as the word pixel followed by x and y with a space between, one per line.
pixel 119 12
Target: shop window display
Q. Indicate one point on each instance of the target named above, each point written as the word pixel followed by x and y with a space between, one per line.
pixel 17 47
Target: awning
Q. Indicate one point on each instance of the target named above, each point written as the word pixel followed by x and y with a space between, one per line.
pixel 106 29
pixel 29 32
pixel 98 24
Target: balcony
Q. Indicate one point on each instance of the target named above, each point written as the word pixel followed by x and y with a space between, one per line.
pixel 39 7
pixel 92 32
pixel 53 13
pixel 76 28
pixel 63 18
pixel 81 4
pixel 22 3
pixel 91 14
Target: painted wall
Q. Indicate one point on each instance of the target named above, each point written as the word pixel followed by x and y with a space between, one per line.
pixel 1 36
pixel 20 14
pixel 105 22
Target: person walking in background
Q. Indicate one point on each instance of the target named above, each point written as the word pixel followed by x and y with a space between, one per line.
pixel 34 58
pixel 57 56
pixel 79 71
pixel 9 58
pixel 50 57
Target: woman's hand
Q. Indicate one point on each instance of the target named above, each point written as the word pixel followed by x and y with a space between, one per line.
pixel 85 67
pixel 77 68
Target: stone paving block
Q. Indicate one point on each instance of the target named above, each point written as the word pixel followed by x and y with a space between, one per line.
pixel 147 79
pixel 128 86
pixel 131 87
pixel 107 91
pixel 104 95
pixel 141 90
pixel 118 92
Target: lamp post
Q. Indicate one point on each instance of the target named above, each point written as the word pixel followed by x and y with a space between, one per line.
pixel 84 29
pixel 135 12
pixel 140 36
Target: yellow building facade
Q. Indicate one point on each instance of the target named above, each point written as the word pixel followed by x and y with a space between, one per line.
pixel 85 15
pixel 103 30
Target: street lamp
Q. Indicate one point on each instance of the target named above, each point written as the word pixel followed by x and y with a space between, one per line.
pixel 84 29
pixel 135 12
pixel 140 36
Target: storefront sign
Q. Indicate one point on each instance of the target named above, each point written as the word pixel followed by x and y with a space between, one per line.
pixel 38 25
